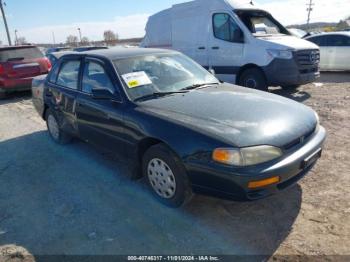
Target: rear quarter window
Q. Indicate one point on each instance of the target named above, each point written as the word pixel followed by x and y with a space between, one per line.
pixel 20 54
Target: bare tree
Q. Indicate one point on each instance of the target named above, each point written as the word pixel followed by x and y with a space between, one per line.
pixel 85 41
pixel 72 40
pixel 110 37
pixel 21 41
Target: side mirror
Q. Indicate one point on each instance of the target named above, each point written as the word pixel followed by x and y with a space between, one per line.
pixel 211 71
pixel 103 94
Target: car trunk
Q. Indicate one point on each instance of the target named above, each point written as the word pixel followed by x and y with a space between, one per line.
pixel 24 68
pixel 24 62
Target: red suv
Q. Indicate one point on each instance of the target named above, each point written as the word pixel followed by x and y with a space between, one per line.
pixel 18 66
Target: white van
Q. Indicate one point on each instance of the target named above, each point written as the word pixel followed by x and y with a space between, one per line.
pixel 243 44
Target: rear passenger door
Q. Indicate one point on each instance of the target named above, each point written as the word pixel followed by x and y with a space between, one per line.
pixel 100 121
pixel 63 86
pixel 340 47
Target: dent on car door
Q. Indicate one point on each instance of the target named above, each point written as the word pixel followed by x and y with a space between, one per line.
pixel 63 91
pixel 100 121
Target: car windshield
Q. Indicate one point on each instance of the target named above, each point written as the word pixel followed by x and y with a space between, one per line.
pixel 261 23
pixel 19 54
pixel 161 74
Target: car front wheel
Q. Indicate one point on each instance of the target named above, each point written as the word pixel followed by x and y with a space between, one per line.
pixel 253 78
pixel 58 135
pixel 166 176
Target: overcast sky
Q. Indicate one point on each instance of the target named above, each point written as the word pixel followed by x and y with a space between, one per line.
pixel 36 20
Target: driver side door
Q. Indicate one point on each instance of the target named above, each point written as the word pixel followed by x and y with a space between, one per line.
pixel 100 121
pixel 226 45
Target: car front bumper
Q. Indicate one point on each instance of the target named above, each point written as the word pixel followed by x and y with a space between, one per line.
pixel 220 180
pixel 282 72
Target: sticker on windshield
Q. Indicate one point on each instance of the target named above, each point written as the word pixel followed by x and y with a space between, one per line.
pixel 136 79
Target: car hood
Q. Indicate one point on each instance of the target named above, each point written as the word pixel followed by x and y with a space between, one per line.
pixel 235 115
pixel 288 42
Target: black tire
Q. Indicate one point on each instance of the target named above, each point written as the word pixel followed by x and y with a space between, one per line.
pixel 253 78
pixel 61 137
pixel 182 192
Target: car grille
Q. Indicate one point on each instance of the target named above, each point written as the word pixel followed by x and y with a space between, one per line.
pixel 299 140
pixel 308 57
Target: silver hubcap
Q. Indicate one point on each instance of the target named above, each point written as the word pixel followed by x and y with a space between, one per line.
pixel 53 127
pixel 161 178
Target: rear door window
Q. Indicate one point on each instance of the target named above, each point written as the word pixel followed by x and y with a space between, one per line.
pixel 338 40
pixel 69 74
pixel 20 54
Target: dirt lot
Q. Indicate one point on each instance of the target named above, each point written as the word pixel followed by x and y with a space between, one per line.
pixel 75 200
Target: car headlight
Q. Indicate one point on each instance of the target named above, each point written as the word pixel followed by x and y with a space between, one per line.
pixel 246 156
pixel 282 54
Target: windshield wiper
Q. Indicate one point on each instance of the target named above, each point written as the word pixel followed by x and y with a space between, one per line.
pixel 199 86
pixel 159 94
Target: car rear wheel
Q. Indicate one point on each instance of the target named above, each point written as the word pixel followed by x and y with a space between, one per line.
pixel 166 176
pixel 56 133
pixel 253 78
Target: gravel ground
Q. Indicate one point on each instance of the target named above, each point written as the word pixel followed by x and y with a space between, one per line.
pixel 76 200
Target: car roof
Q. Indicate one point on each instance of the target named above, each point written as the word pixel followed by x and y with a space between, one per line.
pixel 123 52
pixel 330 33
pixel 62 53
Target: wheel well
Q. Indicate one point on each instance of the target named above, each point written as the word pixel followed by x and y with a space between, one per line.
pixel 144 145
pixel 244 68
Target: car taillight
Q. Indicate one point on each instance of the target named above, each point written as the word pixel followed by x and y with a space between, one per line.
pixel 48 63
pixel 2 70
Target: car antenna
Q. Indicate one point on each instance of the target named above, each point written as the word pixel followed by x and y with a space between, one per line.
pixel 251 2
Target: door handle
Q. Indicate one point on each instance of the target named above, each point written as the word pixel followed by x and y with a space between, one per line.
pixel 215 48
pixel 201 48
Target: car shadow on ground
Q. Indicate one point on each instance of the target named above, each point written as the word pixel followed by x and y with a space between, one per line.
pixel 291 93
pixel 74 200
pixel 15 97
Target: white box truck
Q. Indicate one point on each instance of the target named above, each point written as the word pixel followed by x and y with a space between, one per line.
pixel 242 43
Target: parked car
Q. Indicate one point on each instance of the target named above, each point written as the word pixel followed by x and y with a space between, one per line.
pixel 176 123
pixel 243 44
pixel 57 49
pixel 53 57
pixel 298 32
pixel 18 66
pixel 89 48
pixel 335 50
